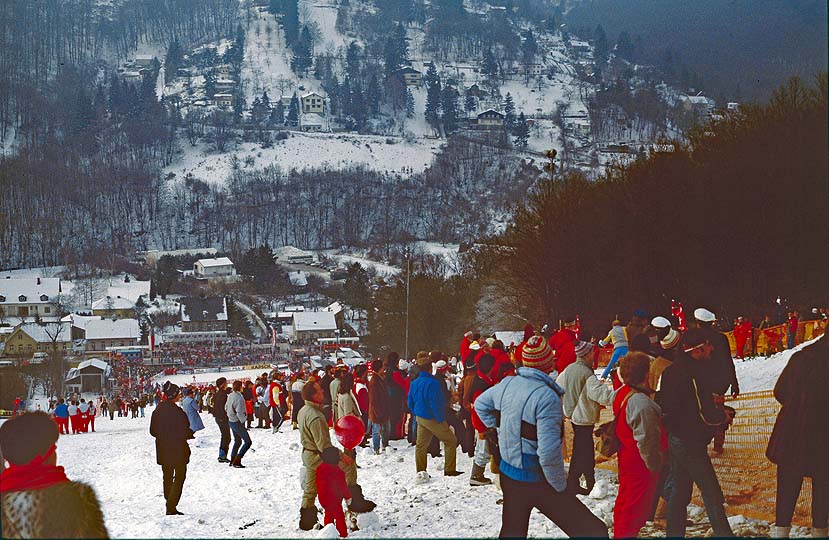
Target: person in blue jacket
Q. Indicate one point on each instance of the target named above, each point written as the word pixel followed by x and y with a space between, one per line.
pixel 427 403
pixel 527 413
pixel 191 407
pixel 62 417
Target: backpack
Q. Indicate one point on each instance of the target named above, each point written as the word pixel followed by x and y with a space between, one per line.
pixel 608 442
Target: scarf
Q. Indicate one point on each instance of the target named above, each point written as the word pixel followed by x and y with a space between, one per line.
pixel 33 475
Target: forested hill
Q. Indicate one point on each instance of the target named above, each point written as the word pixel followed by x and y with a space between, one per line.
pixel 739 50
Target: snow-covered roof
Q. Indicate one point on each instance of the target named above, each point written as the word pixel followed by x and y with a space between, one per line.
pixel 311 119
pixel 203 309
pixel 490 112
pixel 225 81
pixel 298 278
pixel 697 100
pixel 335 308
pixel 219 96
pixel 94 362
pixel 310 94
pixel 46 333
pixel 314 320
pixel 117 302
pixel 109 329
pixel 80 321
pixel 33 289
pixel 220 261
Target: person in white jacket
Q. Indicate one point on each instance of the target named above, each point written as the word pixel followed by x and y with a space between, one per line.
pixel 583 395
pixel 237 416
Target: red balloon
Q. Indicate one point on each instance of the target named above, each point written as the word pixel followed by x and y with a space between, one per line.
pixel 350 431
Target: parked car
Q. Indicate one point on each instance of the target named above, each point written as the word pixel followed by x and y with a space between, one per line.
pixel 39 358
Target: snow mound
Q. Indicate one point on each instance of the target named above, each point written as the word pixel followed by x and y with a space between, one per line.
pixel 329 531
pixel 367 521
pixel 760 373
pixel 422 477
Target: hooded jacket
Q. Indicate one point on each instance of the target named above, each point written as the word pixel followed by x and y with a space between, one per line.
pixel 583 393
pixel 531 397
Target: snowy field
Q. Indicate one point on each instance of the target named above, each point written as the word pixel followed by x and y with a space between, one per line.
pixel 309 150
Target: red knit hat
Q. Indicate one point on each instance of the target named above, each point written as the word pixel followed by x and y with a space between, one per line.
pixel 537 354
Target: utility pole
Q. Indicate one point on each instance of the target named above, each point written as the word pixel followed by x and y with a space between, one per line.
pixel 408 275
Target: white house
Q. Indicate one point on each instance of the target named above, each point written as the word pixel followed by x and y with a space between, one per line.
pixel 311 122
pixel 313 103
pixel 312 325
pixel 105 333
pixel 213 268
pixel 490 119
pixel 223 100
pixel 143 60
pixel 29 297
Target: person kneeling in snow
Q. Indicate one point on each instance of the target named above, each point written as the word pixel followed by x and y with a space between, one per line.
pixel 36 497
pixel 332 489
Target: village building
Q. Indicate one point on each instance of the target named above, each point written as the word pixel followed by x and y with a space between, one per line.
pixel 104 333
pixel 311 122
pixel 90 376
pixel 27 298
pixel 143 60
pixel 490 119
pixel 309 326
pixel 312 103
pixel 29 338
pixel 114 307
pixel 217 267
pixel 225 85
pixel 204 315
pixel 223 100
pixel 409 76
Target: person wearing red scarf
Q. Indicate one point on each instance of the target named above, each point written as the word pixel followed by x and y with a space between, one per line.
pixel 62 508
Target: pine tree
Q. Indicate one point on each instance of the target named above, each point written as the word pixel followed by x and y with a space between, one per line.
pixel 352 61
pixel 173 60
pixel 600 44
pixel 396 49
pixel 277 117
pixel 432 112
pixel 290 21
pixel 509 112
pixel 489 66
pixel 374 94
pixel 410 104
pixel 359 111
pixel 470 103
pixel 303 52
pixel 521 132
pixel 449 104
pixel 210 83
pixel 293 111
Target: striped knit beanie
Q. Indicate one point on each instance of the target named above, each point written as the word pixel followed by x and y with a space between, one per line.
pixel 537 354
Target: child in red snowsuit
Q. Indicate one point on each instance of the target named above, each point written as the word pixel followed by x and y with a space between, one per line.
pixel 332 489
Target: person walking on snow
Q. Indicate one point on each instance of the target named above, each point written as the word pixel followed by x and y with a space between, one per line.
pixel 526 410
pixel 428 403
pixel 191 409
pixel 219 413
pixel 583 396
pixel 171 429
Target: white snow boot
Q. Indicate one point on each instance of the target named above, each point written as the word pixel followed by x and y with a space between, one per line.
pixel 780 532
pixel 820 533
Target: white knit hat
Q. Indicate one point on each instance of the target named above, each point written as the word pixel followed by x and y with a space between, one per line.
pixel 703 315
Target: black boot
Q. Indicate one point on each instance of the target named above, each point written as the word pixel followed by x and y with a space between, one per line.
pixel 307 518
pixel 359 504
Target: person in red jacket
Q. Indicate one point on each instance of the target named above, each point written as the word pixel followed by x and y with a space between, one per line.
pixel 501 358
pixel 563 343
pixel 643 447
pixel 742 333
pixel 468 338
pixel 480 383
pixel 332 489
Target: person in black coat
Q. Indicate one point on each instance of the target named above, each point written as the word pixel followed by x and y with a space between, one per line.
pixel 171 429
pixel 801 436
pixel 219 413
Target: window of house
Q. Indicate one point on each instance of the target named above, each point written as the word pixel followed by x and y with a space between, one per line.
pixel 47 309
pixel 21 298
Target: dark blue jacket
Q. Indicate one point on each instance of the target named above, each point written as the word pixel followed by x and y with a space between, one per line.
pixel 62 411
pixel 426 398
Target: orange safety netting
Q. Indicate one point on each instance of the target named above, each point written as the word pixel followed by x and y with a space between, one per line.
pixel 748 479
pixel 773 339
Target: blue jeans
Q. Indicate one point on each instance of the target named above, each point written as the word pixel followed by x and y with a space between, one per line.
pixel 691 465
pixel 239 434
pixel 376 431
pixel 618 352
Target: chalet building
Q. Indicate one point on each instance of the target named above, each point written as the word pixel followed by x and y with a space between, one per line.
pixel 490 119
pixel 223 100
pixel 409 76
pixel 311 325
pixel 204 315
pixel 105 333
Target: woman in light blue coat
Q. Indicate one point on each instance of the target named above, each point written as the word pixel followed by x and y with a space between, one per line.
pixel 191 408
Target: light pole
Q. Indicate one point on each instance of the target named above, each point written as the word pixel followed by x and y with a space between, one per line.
pixel 408 274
